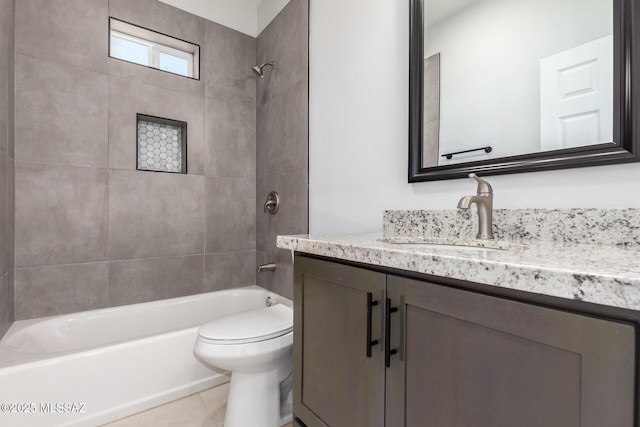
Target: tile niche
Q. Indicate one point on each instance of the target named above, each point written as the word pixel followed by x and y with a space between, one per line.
pixel 161 144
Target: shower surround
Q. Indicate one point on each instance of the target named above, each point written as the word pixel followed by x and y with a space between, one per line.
pixel 282 140
pixel 91 231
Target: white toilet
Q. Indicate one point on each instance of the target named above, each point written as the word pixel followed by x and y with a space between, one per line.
pixel 256 347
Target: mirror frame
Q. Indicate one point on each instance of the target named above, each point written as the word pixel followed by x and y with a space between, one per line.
pixel 626 56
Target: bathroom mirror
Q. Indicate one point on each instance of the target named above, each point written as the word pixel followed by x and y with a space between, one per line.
pixel 505 86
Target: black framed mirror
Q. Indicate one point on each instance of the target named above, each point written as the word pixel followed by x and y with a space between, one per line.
pixel 618 143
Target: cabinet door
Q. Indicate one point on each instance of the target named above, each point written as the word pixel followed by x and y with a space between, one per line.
pixel 335 383
pixel 467 359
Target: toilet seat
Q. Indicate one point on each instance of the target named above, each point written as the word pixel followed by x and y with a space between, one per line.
pixel 248 326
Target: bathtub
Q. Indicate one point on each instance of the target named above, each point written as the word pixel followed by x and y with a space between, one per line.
pixel 90 368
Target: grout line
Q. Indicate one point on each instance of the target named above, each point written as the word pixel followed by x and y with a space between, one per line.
pixel 66 264
pixel 31 162
pixel 108 244
pixel 204 196
pixel 290 172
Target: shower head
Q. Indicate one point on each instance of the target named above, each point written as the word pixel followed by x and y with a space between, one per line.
pixel 258 69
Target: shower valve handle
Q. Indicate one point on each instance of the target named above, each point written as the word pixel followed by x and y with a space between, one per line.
pixel 273 203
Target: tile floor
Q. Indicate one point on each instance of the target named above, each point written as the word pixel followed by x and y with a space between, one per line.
pixel 204 409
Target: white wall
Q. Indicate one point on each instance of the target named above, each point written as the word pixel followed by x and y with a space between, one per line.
pixel 267 10
pixel 247 16
pixel 359 127
pixel 240 15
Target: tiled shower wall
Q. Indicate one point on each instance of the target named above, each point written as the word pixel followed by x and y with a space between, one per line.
pixel 90 230
pixel 282 140
pixel 6 165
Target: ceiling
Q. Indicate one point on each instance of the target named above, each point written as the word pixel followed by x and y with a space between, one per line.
pixel 438 10
pixel 247 16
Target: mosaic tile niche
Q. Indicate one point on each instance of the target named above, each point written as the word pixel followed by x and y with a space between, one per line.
pixel 162 144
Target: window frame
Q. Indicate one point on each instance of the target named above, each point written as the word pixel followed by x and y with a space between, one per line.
pixel 157 43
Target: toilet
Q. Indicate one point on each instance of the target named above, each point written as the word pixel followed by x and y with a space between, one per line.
pixel 256 347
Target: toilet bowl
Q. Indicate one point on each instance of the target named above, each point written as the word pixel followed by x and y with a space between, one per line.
pixel 256 347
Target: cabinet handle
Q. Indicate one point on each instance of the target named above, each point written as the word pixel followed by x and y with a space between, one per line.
pixel 370 304
pixel 387 333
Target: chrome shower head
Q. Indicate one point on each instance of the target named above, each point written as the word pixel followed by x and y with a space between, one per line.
pixel 258 69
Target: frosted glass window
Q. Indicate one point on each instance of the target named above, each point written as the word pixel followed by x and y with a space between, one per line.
pixel 162 144
pixel 128 50
pixel 174 64
pixel 146 47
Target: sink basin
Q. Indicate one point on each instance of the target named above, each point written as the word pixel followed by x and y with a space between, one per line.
pixel 454 243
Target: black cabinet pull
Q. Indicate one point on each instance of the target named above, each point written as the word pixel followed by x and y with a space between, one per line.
pixel 370 304
pixel 387 332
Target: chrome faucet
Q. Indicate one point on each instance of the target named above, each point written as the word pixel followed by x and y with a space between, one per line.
pixel 273 203
pixel 267 267
pixel 484 202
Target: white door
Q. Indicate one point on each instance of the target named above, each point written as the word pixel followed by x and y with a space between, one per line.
pixel 576 96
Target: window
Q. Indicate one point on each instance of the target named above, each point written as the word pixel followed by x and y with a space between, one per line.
pixel 145 47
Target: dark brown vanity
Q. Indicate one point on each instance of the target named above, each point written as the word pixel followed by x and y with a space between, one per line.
pixel 375 346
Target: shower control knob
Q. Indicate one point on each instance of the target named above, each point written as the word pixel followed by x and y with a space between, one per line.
pixel 273 203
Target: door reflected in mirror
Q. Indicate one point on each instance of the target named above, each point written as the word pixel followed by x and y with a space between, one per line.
pixel 505 78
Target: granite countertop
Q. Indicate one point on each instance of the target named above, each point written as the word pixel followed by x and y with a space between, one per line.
pixel 596 271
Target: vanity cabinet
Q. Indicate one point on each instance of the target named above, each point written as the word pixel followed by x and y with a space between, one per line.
pixel 335 382
pixel 447 356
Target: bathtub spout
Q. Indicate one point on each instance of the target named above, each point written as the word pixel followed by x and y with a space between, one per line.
pixel 267 267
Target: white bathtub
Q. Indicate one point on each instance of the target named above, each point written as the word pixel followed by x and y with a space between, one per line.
pixel 90 368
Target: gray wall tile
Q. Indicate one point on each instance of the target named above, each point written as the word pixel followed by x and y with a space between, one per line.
pixel 5 226
pixel 262 140
pixel 61 214
pixel 282 139
pixel 10 201
pixel 61 113
pixel 141 280
pixel 60 289
pixel 231 140
pixel 262 218
pixel 127 97
pixel 292 216
pixel 230 215
pixel 153 77
pixel 4 78
pixel 154 214
pixel 6 302
pixel 229 270
pixel 261 258
pixel 72 32
pixel 10 63
pixel 4 22
pixel 7 177
pixel 286 133
pixel 281 280
pixel 227 61
pixel 12 295
pixel 285 40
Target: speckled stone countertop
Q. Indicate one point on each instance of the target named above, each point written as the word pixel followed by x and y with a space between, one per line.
pixel 595 258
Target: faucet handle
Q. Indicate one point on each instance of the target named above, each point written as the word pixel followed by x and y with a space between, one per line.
pixel 483 186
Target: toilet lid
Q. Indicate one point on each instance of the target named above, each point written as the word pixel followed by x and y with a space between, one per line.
pixel 249 326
